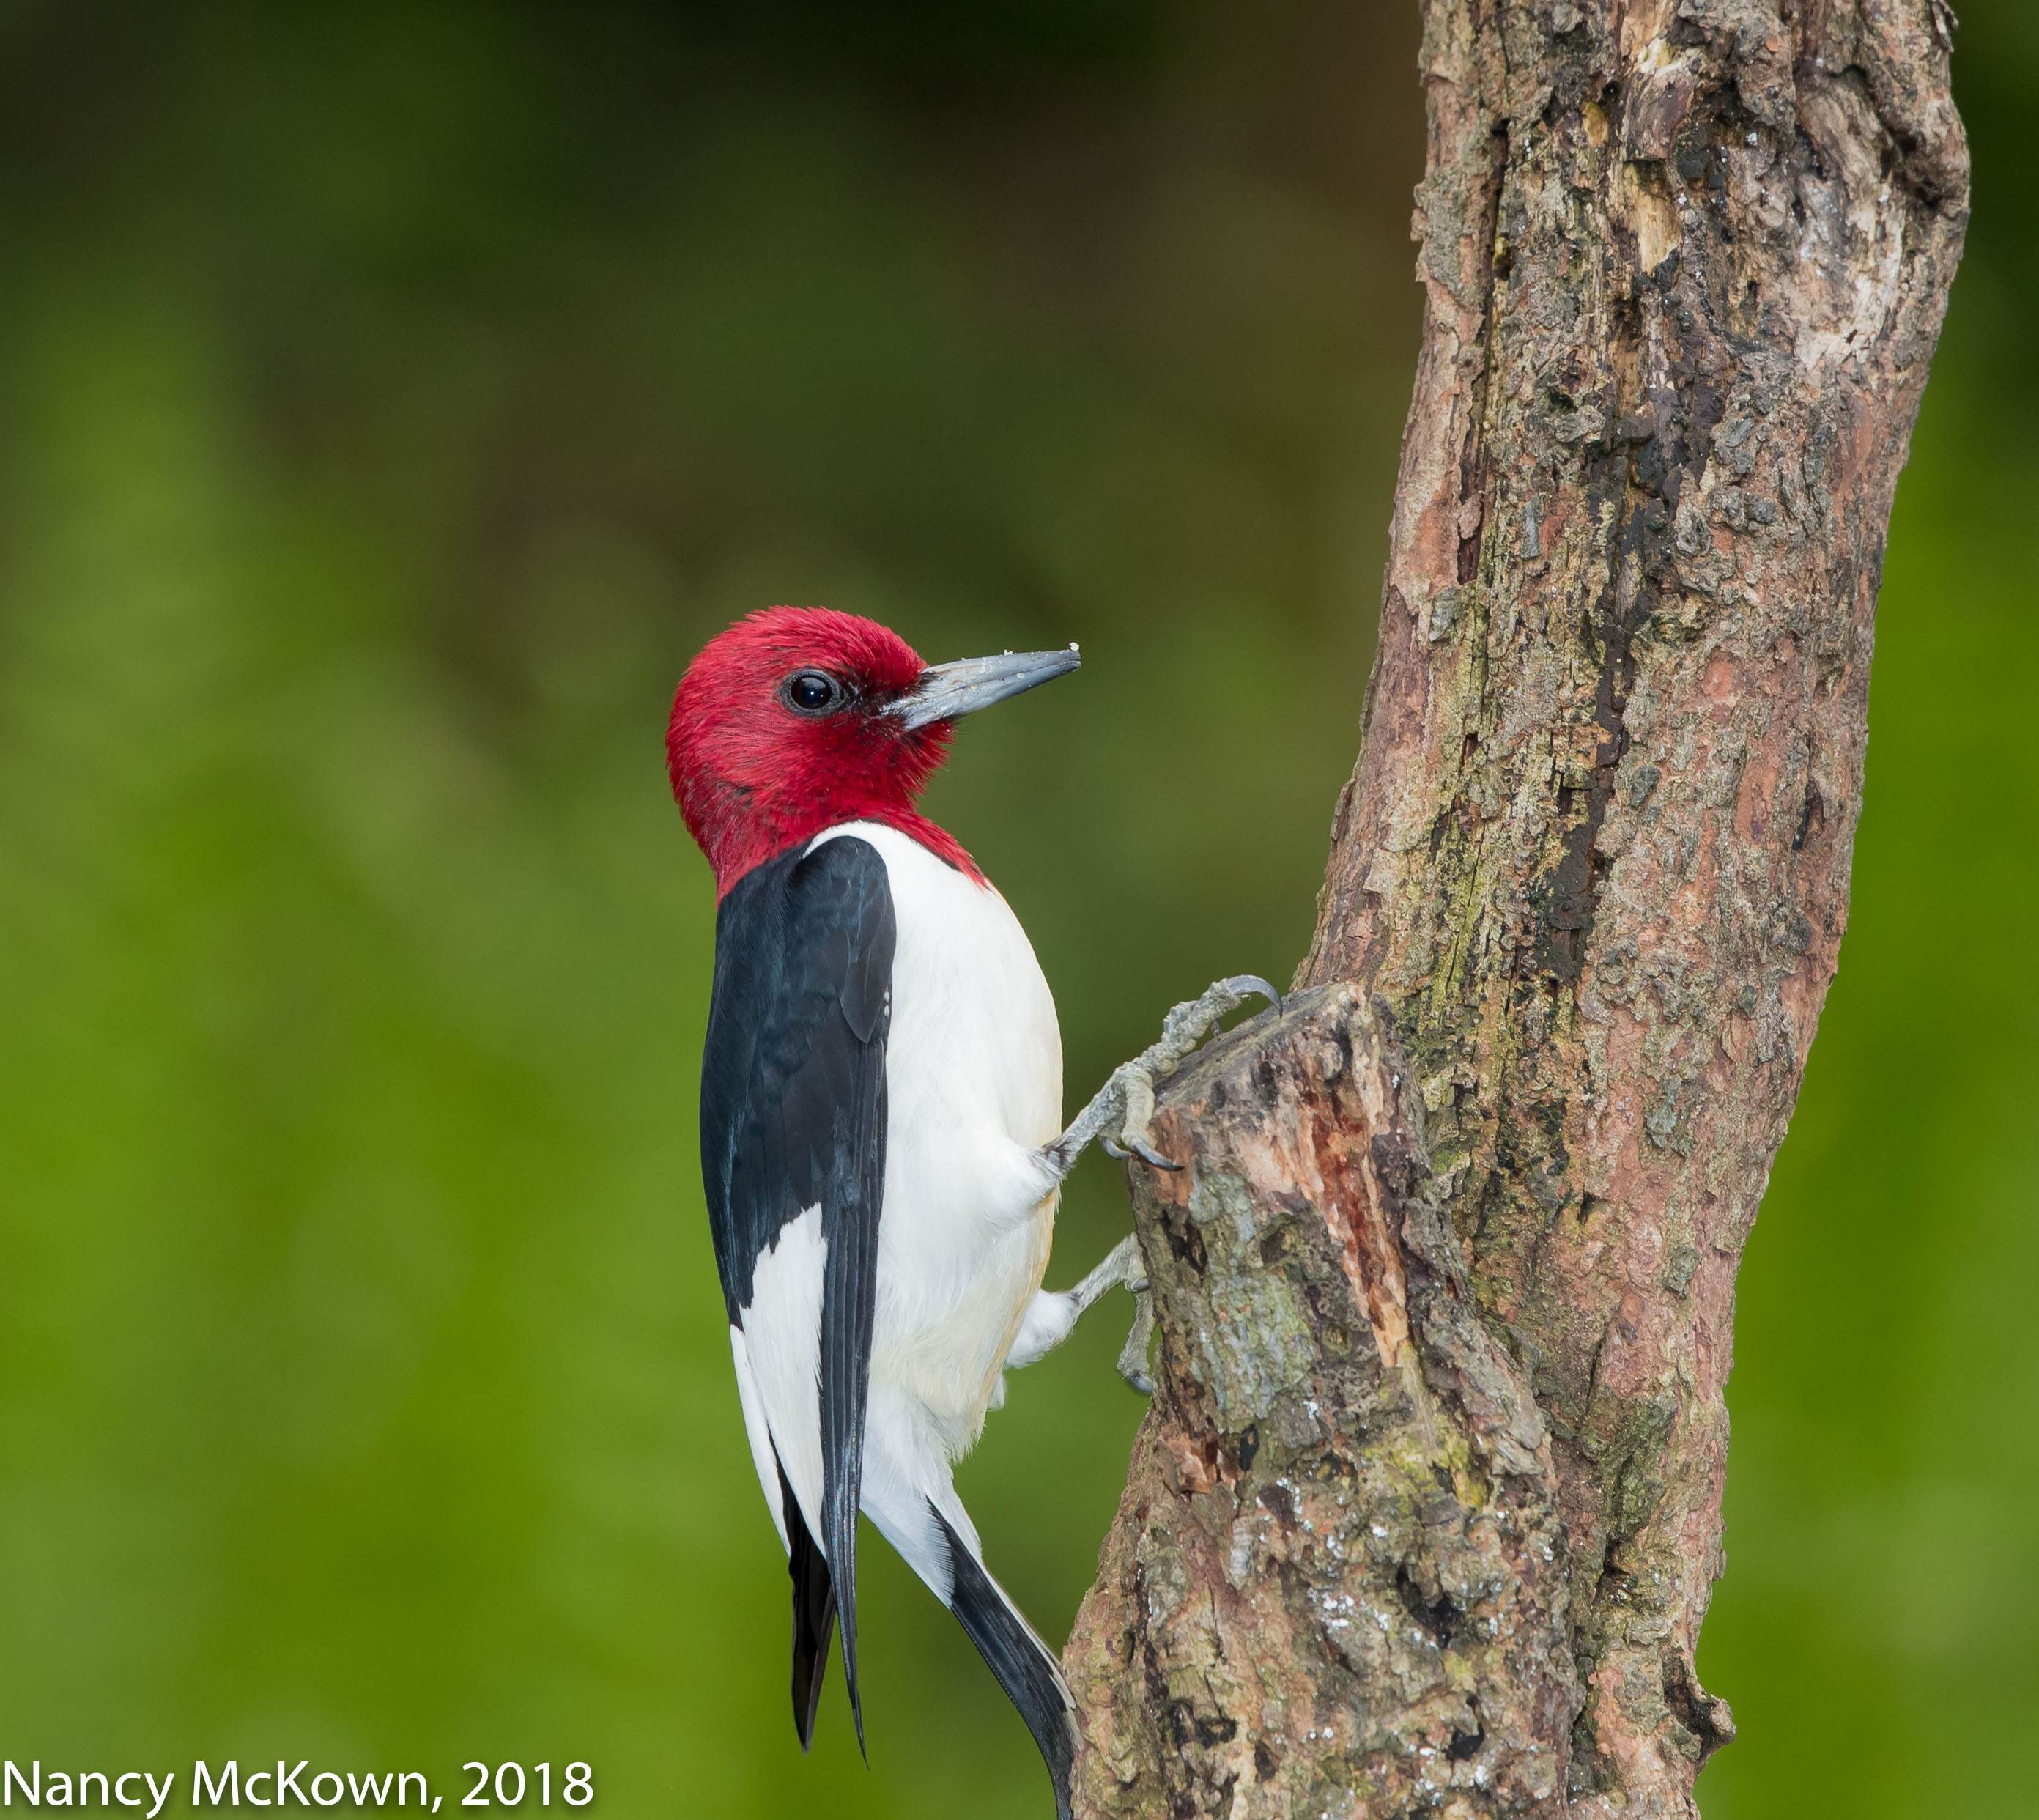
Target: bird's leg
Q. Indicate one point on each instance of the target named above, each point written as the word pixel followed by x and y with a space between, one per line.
pixel 1052 1313
pixel 1126 1265
pixel 1133 1354
pixel 1120 1115
pixel 1123 1264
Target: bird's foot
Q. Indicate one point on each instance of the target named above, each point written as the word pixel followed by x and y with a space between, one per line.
pixel 1126 1265
pixel 1120 1115
pixel 1133 1354
pixel 1054 1312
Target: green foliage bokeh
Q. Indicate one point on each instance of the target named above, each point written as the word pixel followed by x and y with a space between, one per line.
pixel 392 398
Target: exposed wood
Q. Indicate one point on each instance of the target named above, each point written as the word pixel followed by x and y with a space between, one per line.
pixel 1426 1511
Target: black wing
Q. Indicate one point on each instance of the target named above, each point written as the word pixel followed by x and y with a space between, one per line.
pixel 793 1116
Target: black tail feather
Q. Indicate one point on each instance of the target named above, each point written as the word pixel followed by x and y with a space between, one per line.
pixel 1025 1667
pixel 813 1613
pixel 849 1300
pixel 842 1545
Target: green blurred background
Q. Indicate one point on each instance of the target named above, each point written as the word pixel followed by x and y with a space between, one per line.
pixel 392 397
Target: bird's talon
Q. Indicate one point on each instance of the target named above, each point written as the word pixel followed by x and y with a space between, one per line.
pixel 1133 1355
pixel 1244 983
pixel 1126 1103
pixel 1147 1153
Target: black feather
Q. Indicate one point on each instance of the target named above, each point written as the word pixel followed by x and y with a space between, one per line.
pixel 1025 1667
pixel 813 1613
pixel 793 1115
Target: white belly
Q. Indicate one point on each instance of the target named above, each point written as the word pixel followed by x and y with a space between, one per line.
pixel 973 1087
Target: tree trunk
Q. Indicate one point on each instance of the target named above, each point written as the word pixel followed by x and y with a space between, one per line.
pixel 1426 1511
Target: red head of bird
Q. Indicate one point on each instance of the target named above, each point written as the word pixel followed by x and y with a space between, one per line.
pixel 798 718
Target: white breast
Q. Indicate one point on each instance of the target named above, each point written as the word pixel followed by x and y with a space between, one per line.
pixel 973 1087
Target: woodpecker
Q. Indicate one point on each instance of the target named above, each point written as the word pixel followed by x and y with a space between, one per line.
pixel 881 1105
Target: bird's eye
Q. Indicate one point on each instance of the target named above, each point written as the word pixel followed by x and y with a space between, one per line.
pixel 813 692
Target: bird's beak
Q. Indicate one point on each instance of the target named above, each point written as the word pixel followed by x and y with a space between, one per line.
pixel 947 690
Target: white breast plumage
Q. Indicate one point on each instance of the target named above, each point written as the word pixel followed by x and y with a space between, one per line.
pixel 974 1082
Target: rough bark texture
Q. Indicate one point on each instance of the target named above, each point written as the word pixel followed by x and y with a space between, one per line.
pixel 1425 1514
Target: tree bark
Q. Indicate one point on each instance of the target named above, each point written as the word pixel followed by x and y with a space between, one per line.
pixel 1426 1514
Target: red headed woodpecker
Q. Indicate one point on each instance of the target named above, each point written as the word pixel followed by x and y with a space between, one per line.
pixel 881 1096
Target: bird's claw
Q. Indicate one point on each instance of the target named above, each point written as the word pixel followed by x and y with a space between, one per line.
pixel 1124 1265
pixel 1122 1116
pixel 1133 1355
pixel 1135 1147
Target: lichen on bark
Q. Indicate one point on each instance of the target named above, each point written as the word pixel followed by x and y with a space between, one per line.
pixel 1426 1513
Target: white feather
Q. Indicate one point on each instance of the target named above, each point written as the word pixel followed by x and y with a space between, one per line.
pixel 973 1090
pixel 974 1087
pixel 904 1464
pixel 781 1356
pixel 758 1432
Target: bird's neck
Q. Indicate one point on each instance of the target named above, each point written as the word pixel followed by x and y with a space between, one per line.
pixel 740 848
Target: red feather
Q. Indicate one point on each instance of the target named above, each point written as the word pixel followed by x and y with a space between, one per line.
pixel 754 778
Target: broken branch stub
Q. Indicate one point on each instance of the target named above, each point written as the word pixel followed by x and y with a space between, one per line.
pixel 1337 1568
